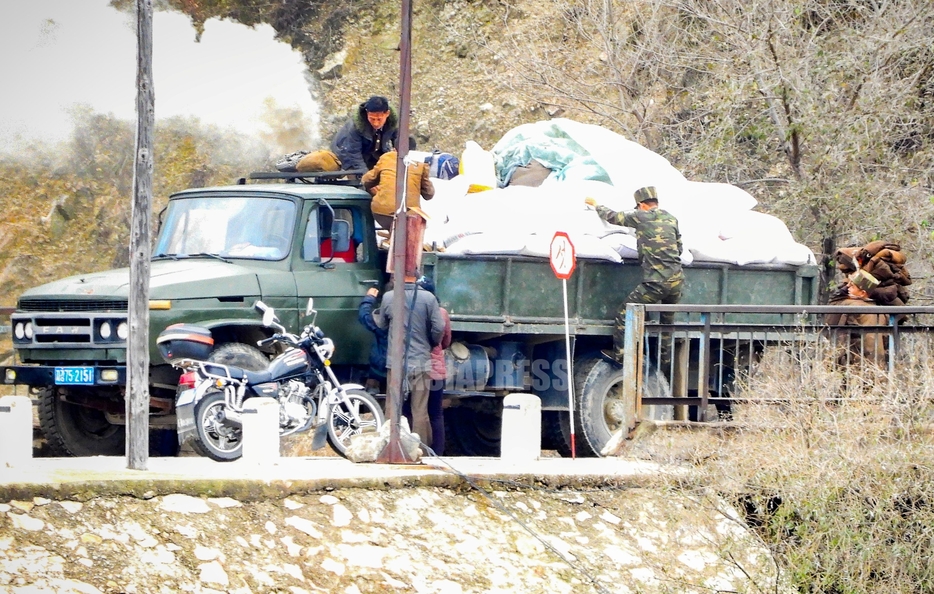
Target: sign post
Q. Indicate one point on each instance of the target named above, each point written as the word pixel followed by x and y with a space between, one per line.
pixel 563 261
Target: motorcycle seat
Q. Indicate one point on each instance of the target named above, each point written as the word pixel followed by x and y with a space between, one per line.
pixel 252 377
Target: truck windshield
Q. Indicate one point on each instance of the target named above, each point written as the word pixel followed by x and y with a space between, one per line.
pixel 227 227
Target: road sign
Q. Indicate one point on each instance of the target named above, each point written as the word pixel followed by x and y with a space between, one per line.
pixel 561 255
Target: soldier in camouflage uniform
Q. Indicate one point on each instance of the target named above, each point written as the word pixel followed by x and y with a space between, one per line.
pixel 659 244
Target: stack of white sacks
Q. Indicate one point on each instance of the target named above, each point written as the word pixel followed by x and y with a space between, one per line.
pixel 718 222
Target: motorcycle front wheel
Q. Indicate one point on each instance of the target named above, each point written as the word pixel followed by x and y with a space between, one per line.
pixel 343 424
pixel 217 438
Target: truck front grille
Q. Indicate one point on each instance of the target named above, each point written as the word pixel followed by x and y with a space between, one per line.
pixel 73 305
pixel 67 330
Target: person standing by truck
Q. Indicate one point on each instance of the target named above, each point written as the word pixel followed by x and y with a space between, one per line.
pixel 376 376
pixel 424 328
pixel 438 376
pixel 371 131
pixel 659 245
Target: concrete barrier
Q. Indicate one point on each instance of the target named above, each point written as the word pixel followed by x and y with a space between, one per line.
pixel 15 431
pixel 522 428
pixel 260 430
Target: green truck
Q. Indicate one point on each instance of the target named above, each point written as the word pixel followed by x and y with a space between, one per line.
pixel 281 241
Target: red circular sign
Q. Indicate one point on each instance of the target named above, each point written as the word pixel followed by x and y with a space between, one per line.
pixel 561 255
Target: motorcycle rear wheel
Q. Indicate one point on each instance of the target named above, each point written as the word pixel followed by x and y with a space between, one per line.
pixel 341 423
pixel 217 439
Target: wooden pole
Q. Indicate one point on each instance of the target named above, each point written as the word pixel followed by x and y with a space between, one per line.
pixel 137 401
pixel 393 453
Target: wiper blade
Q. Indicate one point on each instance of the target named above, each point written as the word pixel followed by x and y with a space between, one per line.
pixel 209 255
pixel 165 256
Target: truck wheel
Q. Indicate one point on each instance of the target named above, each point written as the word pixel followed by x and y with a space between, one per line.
pixel 472 432
pixel 600 409
pixel 217 439
pixel 72 430
pixel 556 432
pixel 240 355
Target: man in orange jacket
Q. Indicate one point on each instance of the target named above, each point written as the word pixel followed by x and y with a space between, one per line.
pixel 380 181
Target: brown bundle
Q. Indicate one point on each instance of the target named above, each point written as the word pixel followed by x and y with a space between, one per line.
pixel 884 263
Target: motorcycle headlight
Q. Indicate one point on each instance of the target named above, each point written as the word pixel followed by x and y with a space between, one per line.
pixel 327 348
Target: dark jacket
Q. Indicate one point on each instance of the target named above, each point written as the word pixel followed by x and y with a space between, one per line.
pixel 358 145
pixel 423 321
pixel 381 343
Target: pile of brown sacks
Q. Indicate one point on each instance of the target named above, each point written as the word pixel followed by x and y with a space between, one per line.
pixel 878 268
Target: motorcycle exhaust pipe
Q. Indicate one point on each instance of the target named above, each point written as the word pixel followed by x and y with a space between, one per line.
pixel 232 417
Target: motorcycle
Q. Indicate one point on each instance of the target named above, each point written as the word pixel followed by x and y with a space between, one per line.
pixel 210 398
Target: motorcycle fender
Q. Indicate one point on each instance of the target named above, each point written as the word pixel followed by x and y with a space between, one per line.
pixel 185 403
pixel 185 416
pixel 334 393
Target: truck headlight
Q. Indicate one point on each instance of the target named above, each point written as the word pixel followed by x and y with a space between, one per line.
pixel 19 331
pixel 106 330
pixel 28 330
pixel 123 330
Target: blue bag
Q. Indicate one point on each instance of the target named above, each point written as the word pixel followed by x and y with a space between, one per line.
pixel 443 165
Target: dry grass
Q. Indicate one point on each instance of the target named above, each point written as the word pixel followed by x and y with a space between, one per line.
pixel 838 477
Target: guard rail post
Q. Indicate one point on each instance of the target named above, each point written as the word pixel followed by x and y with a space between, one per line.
pixel 632 359
pixel 15 431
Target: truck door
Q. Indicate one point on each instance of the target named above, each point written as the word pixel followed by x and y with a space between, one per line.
pixel 336 267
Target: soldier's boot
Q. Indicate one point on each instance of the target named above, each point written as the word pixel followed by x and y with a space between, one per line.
pixel 616 354
pixel 613 356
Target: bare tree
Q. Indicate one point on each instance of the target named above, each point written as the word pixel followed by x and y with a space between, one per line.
pixel 823 109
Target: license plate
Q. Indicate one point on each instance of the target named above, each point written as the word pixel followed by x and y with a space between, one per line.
pixel 74 376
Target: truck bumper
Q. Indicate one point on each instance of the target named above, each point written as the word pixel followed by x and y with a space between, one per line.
pixel 45 375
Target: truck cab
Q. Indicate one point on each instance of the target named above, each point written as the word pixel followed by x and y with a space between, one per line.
pixel 218 251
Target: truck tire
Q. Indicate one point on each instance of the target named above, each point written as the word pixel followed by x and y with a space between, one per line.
pixel 470 431
pixel 556 432
pixel 240 355
pixel 599 408
pixel 72 430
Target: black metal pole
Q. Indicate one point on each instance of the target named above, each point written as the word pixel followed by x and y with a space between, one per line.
pixel 393 453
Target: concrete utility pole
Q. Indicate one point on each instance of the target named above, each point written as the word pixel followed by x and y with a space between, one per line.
pixel 393 453
pixel 137 381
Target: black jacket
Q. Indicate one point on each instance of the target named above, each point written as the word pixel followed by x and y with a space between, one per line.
pixel 358 145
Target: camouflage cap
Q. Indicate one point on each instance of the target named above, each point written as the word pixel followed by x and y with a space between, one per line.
pixel 646 193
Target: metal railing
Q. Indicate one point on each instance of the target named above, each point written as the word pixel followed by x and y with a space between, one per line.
pixel 702 358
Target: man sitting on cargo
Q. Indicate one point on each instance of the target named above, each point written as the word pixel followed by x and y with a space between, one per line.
pixel 371 131
pixel 659 245
pixel 380 181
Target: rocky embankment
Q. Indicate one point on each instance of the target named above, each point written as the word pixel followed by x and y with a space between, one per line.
pixel 495 538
